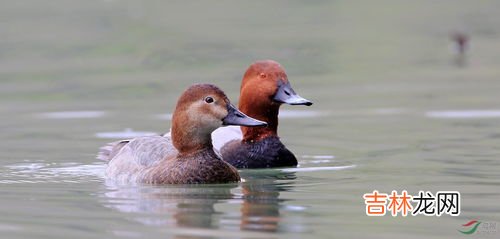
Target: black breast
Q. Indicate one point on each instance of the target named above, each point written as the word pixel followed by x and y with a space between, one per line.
pixel 266 153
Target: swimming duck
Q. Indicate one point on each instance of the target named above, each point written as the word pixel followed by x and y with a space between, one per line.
pixel 264 88
pixel 187 156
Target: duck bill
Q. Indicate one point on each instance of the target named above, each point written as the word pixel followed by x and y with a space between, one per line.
pixel 287 95
pixel 236 117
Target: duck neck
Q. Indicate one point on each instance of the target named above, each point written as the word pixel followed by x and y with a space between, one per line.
pixel 265 112
pixel 189 139
pixel 188 144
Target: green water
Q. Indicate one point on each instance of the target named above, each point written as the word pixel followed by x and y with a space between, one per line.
pixel 382 75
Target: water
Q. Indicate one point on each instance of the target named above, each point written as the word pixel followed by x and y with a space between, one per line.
pixel 395 109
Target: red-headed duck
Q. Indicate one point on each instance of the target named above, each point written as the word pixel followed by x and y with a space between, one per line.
pixel 264 88
pixel 187 156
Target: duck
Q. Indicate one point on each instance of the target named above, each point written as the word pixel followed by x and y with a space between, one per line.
pixel 187 156
pixel 264 88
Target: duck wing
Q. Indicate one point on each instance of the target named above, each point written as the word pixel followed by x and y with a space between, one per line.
pixel 108 151
pixel 148 150
pixel 144 151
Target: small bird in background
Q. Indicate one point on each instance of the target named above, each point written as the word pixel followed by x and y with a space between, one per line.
pixel 460 47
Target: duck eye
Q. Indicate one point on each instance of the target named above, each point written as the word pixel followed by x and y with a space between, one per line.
pixel 209 99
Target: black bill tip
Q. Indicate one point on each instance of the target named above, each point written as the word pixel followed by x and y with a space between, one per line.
pixel 286 94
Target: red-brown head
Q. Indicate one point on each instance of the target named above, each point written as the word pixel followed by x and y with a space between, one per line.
pixel 200 110
pixel 264 88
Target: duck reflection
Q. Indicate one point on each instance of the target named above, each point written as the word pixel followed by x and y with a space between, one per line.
pixel 192 206
pixel 260 210
pixel 187 205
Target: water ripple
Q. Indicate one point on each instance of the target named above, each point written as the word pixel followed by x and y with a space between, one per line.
pixel 463 114
pixel 314 169
pixel 300 114
pixel 72 114
pixel 125 134
pixel 51 173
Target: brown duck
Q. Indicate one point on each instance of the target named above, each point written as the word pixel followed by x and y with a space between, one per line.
pixel 187 157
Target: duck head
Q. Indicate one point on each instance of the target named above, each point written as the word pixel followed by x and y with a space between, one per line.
pixel 200 110
pixel 264 88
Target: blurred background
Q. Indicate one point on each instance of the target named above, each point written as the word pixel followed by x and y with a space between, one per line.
pixel 405 93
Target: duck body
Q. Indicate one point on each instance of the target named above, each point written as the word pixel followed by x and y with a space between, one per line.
pixel 268 152
pixel 204 166
pixel 187 157
pixel 264 88
pixel 154 160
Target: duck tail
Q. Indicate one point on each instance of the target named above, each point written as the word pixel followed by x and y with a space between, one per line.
pixel 108 151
